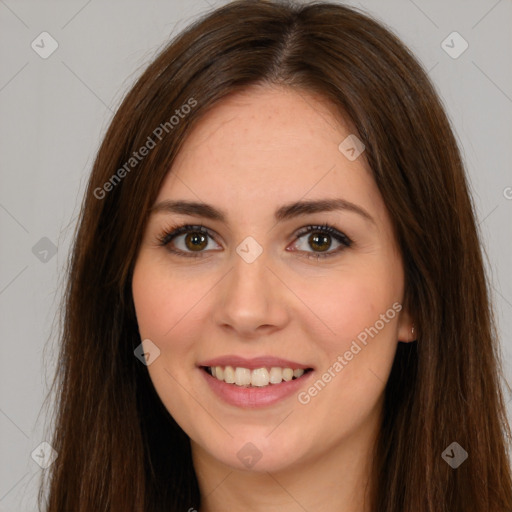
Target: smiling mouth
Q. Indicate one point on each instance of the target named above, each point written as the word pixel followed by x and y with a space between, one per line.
pixel 259 377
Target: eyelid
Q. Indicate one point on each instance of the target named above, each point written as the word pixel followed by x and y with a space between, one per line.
pixel 324 228
pixel 170 233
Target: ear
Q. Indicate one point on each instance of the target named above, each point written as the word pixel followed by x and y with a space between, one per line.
pixel 407 330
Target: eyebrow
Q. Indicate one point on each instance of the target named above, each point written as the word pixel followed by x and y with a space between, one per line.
pixel 285 212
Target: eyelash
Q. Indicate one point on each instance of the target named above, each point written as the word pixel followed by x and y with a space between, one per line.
pixel 172 232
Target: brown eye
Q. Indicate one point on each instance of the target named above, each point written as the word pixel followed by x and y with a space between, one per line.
pixel 319 242
pixel 196 241
pixel 188 240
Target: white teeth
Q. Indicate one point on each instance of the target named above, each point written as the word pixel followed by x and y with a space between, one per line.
pixel 229 375
pixel 242 376
pixel 276 375
pixel 287 374
pixel 259 377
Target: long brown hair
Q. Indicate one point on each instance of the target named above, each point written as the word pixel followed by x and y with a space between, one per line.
pixel 119 449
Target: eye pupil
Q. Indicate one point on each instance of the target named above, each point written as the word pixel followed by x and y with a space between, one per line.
pixel 320 242
pixel 195 241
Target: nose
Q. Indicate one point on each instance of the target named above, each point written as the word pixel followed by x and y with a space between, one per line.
pixel 251 300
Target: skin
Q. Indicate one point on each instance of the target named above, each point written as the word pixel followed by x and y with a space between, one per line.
pixel 253 152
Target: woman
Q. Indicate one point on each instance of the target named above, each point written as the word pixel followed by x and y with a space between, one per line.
pixel 276 297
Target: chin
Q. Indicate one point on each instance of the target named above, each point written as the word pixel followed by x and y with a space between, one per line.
pixel 259 453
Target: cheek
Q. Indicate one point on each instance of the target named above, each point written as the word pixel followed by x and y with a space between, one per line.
pixel 358 338
pixel 164 304
pixel 348 303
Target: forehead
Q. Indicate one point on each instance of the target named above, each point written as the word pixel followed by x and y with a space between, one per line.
pixel 268 144
pixel 263 121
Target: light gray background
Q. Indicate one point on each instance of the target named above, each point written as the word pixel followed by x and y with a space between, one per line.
pixel 54 111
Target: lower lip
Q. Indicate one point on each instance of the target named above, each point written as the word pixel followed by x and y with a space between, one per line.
pixel 254 397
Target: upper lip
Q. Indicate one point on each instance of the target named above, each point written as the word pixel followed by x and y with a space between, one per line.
pixel 253 363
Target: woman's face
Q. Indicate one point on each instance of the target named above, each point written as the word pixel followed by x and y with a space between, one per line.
pixel 253 289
